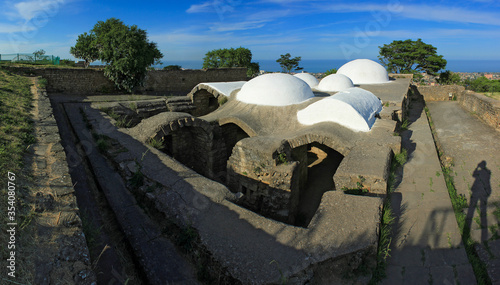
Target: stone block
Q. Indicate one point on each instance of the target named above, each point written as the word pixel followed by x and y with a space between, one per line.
pixel 365 164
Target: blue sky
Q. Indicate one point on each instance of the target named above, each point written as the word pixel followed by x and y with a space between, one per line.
pixel 186 30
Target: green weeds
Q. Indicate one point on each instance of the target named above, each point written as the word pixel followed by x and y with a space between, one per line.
pixel 157 143
pixel 42 83
pixel 222 100
pixel 385 237
pixel 282 159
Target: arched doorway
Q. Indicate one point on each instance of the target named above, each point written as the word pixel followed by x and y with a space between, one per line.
pixel 318 164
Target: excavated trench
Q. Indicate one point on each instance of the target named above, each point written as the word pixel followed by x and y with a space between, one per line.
pixel 112 256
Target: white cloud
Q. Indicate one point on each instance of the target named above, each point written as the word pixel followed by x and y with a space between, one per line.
pixel 10 28
pixel 441 13
pixel 248 25
pixel 424 12
pixel 201 8
pixel 28 10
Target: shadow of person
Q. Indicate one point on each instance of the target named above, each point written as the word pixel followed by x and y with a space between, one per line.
pixel 481 190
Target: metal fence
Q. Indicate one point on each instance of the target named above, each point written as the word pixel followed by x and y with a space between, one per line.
pixel 30 58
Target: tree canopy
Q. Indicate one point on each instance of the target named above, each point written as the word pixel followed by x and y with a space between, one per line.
pixel 85 48
pixel 448 77
pixel 411 57
pixel 124 49
pixel 287 63
pixel 239 57
pixel 482 84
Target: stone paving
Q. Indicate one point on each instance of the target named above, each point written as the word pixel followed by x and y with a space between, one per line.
pixel 426 247
pixel 473 148
pixel 61 255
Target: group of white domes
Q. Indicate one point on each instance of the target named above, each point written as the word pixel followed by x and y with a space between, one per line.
pixel 350 106
pixel 279 89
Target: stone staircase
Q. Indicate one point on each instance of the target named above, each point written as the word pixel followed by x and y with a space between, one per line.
pixel 180 104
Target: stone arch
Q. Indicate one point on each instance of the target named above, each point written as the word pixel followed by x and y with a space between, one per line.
pixel 205 98
pixel 194 142
pixel 167 127
pixel 334 142
pixel 319 157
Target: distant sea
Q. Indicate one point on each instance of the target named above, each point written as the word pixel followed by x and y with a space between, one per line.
pixel 316 66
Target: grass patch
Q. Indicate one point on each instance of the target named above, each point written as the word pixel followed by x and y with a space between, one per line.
pixel 459 203
pixel 281 158
pixel 360 188
pixel 404 125
pixel 42 82
pixel 133 106
pixel 156 143
pixel 385 237
pixel 222 100
pixel 137 179
pixel 494 95
pixel 16 135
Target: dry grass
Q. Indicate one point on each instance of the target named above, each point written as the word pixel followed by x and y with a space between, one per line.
pixel 494 95
pixel 16 134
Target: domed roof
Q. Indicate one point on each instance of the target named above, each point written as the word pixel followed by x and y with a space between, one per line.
pixel 308 78
pixel 354 108
pixel 335 82
pixel 364 71
pixel 275 89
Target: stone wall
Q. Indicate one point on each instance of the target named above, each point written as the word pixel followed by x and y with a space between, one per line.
pixel 487 109
pixel 200 148
pixel 270 184
pixel 440 93
pixel 158 82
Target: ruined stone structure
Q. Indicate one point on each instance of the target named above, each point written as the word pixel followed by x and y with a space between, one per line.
pixel 266 152
pixel 257 184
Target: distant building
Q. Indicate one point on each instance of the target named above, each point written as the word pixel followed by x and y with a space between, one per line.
pixel 489 76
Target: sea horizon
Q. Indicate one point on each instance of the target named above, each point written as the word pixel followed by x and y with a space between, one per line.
pixel 319 65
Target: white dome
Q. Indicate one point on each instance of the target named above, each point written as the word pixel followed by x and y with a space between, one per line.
pixel 364 71
pixel 308 78
pixel 275 89
pixel 335 82
pixel 354 108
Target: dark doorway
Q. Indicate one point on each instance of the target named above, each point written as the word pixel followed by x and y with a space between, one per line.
pixel 232 134
pixel 322 163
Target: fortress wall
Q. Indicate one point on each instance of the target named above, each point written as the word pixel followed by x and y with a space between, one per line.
pixel 158 82
pixel 440 93
pixel 487 109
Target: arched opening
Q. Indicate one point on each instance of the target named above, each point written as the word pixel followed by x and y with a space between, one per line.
pixel 204 102
pixel 318 164
pixel 213 103
pixel 192 147
pixel 232 134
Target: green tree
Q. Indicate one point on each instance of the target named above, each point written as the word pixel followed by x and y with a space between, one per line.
pixel 239 57
pixel 411 57
pixel 287 63
pixel 124 49
pixel 39 54
pixel 85 48
pixel 447 77
pixel 330 71
pixel 172 67
pixel 482 85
